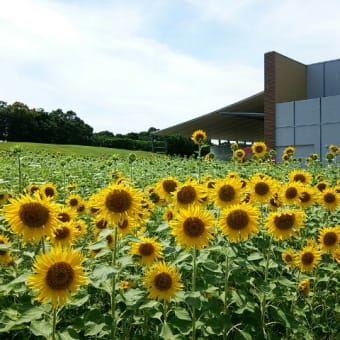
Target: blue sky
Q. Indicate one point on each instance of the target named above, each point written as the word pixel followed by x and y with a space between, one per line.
pixel 125 66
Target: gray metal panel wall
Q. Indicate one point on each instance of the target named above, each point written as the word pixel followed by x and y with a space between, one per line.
pixel 323 79
pixel 310 125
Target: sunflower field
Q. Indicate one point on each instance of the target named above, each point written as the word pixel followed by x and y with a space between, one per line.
pixel 160 247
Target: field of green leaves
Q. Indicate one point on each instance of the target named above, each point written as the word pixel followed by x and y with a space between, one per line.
pixel 145 246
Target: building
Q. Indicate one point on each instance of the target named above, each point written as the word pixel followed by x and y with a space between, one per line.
pixel 300 106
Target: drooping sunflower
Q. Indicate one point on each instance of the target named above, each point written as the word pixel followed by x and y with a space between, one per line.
pixel 119 201
pixel 163 281
pixel 289 150
pixel 166 186
pixel 57 274
pixel 5 257
pixel 148 249
pixel 48 191
pixel 284 224
pixel 300 175
pixel 304 287
pixel 238 222
pixel 193 227
pixel 330 199
pixel 334 148
pixel 261 188
pixel 227 191
pixel 31 217
pixel 189 193
pixel 329 238
pixel 64 235
pixel 199 136
pixel 308 258
pixel 259 149
pixel 307 196
pixel 288 256
pixel 239 155
pixel 285 157
pixel 169 214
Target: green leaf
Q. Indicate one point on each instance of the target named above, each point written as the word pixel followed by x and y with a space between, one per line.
pixel 93 328
pixel 41 328
pixel 166 332
pixel 255 256
pixel 182 314
pixel 149 304
pixel 181 257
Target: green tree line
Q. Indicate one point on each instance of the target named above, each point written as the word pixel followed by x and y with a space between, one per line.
pixel 19 123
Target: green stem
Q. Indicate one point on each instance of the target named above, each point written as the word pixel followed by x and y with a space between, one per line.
pixel 193 288
pixel 54 322
pixel 19 173
pixel 266 273
pixel 114 280
pixel 226 287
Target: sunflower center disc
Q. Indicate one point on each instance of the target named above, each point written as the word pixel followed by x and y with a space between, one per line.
pixel 238 219
pixel 146 249
pixel 226 193
pixel 64 217
pixel 62 233
pixel 118 201
pixel 186 195
pixel 291 193
pixel 163 281
pixel 33 215
pixel 261 188
pixel 330 239
pixel 329 198
pixel 305 197
pixel 60 275
pixel 307 258
pixel 300 178
pixel 169 185
pixel 284 221
pixel 193 227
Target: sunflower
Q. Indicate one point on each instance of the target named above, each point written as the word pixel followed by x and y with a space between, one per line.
pixel 289 192
pixel 329 198
pixel 31 217
pixel 199 136
pixel 66 214
pixel 259 149
pixel 239 221
pixel 285 157
pixel 5 257
pixel 226 192
pixel 100 223
pixel 126 225
pixel 58 273
pixel 334 148
pixel 169 214
pixel 275 202
pixel 304 287
pixel 48 191
pixel 119 201
pixel 329 238
pixel 289 150
pixel 239 155
pixel 64 235
pixel 262 188
pixel 321 186
pixel 165 187
pixel 192 227
pixel 300 175
pixel 284 224
pixel 288 256
pixel 74 201
pixel 308 258
pixel 148 250
pixel 163 281
pixel 307 196
pixel 32 189
pixel 189 193
pixel 80 227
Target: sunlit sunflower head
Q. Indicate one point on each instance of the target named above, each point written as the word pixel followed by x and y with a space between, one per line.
pixel 285 157
pixel 262 188
pixel 31 217
pixel 300 175
pixel 100 223
pixel 64 235
pixel 169 214
pixel 193 227
pixel 259 149
pixel 289 150
pixel 126 225
pixel 285 223
pixel 91 204
pixel 307 196
pixel 238 222
pixel 329 238
pixel 334 148
pixel 147 249
pixel 288 257
pixel 239 155
pixel 289 192
pixel 153 196
pixel 166 186
pixel 162 281
pixel 330 199
pixel 199 136
pixel 275 202
pixel 119 201
pixel 321 186
pixel 32 189
pixel 80 227
pixel 5 257
pixel 48 191
pixel 308 258
pixel 304 287
pixel 57 274
pixel 74 201
pixel 227 191
pixel 189 193
pixel 66 214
